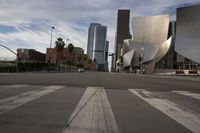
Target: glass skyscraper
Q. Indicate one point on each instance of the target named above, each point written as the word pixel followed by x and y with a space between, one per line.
pixel 97 46
pixel 91 39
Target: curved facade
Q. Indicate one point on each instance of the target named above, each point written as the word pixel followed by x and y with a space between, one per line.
pixel 150 52
pixel 151 29
pixel 128 58
pixel 149 41
pixel 188 32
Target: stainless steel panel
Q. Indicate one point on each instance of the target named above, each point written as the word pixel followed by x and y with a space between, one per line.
pixel 188 32
pixel 151 29
pixel 127 58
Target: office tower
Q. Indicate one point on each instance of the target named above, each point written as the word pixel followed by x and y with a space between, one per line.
pixel 122 32
pixel 99 46
pixel 91 39
pixel 97 49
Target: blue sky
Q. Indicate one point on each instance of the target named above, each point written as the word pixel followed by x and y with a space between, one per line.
pixel 27 23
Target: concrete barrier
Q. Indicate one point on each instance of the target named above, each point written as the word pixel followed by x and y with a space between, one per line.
pixel 193 72
pixel 180 72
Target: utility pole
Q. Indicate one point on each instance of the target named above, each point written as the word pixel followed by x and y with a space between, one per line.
pixel 141 59
pixel 52 28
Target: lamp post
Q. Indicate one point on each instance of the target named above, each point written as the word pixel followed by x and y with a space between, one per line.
pixel 52 28
pixel 67 41
pixel 141 59
pixel 112 61
pixel 49 60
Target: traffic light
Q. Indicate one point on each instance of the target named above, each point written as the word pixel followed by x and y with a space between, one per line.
pixel 49 60
pixel 18 57
pixel 140 59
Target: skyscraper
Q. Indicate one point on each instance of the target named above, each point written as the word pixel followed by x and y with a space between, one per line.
pixel 91 39
pixel 122 31
pixel 99 47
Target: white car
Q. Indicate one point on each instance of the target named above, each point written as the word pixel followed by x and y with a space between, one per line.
pixel 81 70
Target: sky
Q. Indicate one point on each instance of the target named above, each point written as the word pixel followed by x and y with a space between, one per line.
pixel 27 23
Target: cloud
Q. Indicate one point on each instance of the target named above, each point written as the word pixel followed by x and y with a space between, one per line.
pixel 32 19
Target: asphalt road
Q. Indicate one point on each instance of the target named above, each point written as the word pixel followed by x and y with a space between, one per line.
pixel 107 80
pixel 45 102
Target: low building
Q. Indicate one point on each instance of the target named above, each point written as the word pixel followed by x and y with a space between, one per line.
pixel 53 55
pixel 27 55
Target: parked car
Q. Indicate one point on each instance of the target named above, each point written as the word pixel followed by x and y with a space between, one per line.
pixel 81 70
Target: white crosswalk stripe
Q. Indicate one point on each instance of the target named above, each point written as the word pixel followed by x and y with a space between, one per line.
pixel 188 118
pixel 14 86
pixel 187 93
pixel 10 103
pixel 93 114
pixel 17 86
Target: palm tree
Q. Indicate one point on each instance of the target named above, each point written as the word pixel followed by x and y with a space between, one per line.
pixel 60 44
pixel 71 50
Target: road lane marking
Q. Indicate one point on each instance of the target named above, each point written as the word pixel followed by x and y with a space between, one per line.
pixel 96 116
pixel 182 115
pixel 10 103
pixel 108 114
pixel 187 93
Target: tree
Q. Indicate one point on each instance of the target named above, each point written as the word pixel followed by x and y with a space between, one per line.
pixel 89 64
pixel 70 47
pixel 60 44
pixel 84 61
pixel 71 50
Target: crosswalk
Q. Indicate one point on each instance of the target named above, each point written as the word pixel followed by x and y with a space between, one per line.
pixel 94 113
pixel 184 116
pixel 190 94
pixel 17 86
pixel 10 103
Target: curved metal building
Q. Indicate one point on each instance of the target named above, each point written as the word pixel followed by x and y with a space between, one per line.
pixel 188 32
pixel 149 43
pixel 151 29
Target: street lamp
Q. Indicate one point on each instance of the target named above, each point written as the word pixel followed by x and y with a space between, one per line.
pixel 112 60
pixel 52 28
pixel 67 41
pixel 141 59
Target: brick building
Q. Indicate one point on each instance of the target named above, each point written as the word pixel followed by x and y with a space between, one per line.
pixel 52 54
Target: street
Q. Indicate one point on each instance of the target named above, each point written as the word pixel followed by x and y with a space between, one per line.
pixel 94 102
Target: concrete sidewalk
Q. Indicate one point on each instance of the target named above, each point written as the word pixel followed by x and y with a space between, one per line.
pixel 183 77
